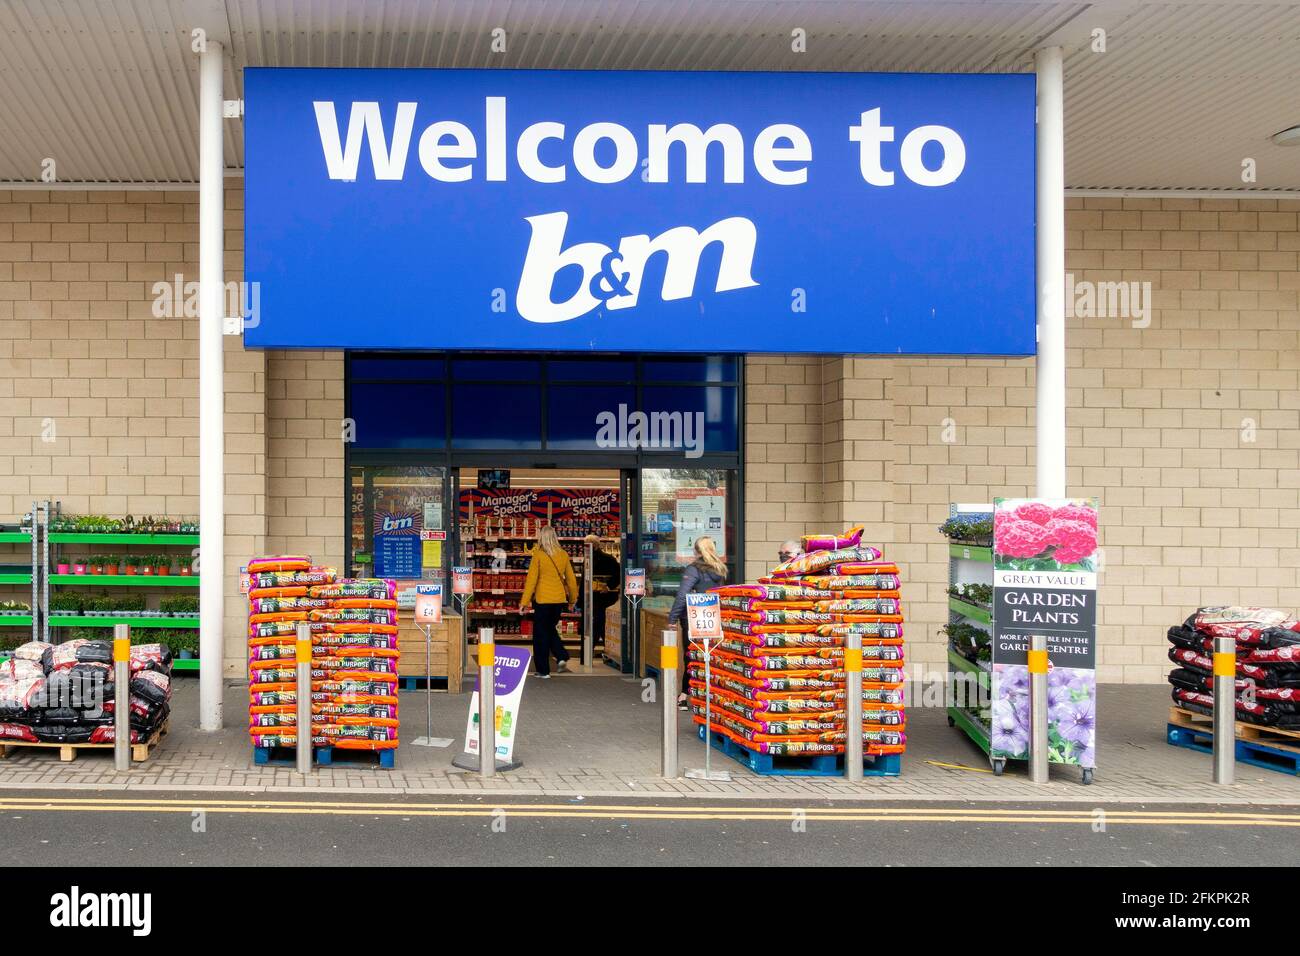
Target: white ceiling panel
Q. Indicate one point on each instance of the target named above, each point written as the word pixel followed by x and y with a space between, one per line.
pixel 1184 92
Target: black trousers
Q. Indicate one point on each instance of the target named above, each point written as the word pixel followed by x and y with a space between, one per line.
pixel 601 602
pixel 546 639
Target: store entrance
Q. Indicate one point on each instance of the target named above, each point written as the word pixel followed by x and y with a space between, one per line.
pixel 499 515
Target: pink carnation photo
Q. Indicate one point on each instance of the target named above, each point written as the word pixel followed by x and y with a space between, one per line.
pixel 1033 536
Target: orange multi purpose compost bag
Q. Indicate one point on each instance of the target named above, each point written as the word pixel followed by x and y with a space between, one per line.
pixel 355 602
pixel 355 615
pixel 283 562
pixel 382 589
pixel 815 561
pixel 258 594
pixel 273 605
pixel 774 592
pixel 833 542
pixel 293 579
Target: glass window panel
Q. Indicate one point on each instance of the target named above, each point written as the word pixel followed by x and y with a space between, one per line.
pixel 399 415
pixel 590 370
pixel 716 406
pixel 703 368
pixel 497 369
pixel 389 506
pixel 502 417
pixel 392 368
pixel 572 410
pixel 678 505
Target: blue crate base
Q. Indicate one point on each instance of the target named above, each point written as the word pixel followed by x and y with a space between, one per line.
pixel 1252 752
pixel 325 757
pixel 419 683
pixel 818 765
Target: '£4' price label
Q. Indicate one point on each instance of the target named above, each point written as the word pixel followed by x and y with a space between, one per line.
pixel 703 616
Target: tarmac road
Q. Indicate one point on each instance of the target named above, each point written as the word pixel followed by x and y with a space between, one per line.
pixel 329 830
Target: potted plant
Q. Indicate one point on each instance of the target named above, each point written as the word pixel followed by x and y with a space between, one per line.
pixel 164 566
pixel 14 608
pixel 78 565
pixel 112 563
pixel 131 562
pixel 186 565
pixel 67 603
pixel 146 564
pixel 131 606
pixel 184 645
pixel 64 568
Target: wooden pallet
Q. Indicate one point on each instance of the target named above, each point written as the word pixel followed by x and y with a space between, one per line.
pixel 1269 751
pixel 68 752
pixel 1279 737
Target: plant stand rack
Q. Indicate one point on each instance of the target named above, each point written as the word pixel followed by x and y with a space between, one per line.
pixel 970 682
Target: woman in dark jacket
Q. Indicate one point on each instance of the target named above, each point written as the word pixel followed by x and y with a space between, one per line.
pixel 707 571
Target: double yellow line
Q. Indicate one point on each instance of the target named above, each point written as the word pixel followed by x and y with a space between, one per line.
pixel 937 813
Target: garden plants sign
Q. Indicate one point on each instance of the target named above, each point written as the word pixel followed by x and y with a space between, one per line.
pixel 1045 582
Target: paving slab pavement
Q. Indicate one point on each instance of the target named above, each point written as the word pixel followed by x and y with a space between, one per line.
pixel 587 736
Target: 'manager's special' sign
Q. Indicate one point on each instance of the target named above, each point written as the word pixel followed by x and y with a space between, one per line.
pixel 742 212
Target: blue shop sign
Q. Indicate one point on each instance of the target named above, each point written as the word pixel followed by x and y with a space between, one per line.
pixel 640 211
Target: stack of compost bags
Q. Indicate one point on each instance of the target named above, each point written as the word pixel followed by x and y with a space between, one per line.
pixel 353 626
pixel 65 693
pixel 1268 663
pixel 777 677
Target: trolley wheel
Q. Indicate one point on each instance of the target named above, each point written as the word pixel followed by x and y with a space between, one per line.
pixel 999 765
pixel 951 722
pixel 1087 776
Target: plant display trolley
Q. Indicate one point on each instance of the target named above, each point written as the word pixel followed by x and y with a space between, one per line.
pixel 969 530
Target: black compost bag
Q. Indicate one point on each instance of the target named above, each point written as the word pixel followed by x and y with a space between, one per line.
pixel 1180 635
pixel 152 686
pixel 63 733
pixel 95 652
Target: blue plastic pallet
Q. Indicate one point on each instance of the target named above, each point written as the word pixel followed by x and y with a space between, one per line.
pixel 321 756
pixel 815 765
pixel 1251 752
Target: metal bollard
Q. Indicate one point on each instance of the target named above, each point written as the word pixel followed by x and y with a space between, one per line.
pixel 122 696
pixel 302 654
pixel 853 708
pixel 1038 708
pixel 487 704
pixel 1225 710
pixel 669 663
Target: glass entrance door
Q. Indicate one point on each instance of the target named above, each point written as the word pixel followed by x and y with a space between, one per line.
pixel 677 507
pixel 398 526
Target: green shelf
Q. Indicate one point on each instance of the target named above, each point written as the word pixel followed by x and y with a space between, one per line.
pixel 15 537
pixel 970 552
pixel 107 620
pixel 129 580
pixel 72 537
pixel 973 727
pixel 972 611
pixel 15 620
pixel 959 663
pixel 188 664
pixel 15 579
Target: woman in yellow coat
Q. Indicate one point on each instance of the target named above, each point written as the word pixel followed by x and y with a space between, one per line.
pixel 551 587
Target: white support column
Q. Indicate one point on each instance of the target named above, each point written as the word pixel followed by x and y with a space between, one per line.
pixel 212 428
pixel 1050 390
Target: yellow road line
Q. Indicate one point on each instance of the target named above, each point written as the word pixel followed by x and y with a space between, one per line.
pixel 918 815
pixel 487 805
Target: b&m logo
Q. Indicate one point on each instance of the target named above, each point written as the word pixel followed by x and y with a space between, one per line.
pixel 395 524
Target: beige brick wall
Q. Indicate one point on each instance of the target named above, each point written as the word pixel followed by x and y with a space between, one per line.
pixel 1188 431
pixel 1196 506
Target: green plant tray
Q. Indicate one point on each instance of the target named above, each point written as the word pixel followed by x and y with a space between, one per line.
pixel 972 727
pixel 959 663
pixel 972 611
pixel 970 552
pixel 15 620
pixel 72 537
pixel 15 578
pixel 129 580
pixel 105 620
pixel 14 537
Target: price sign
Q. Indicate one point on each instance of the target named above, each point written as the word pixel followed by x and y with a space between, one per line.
pixel 634 582
pixel 245 581
pixel 703 616
pixel 462 580
pixel 428 604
